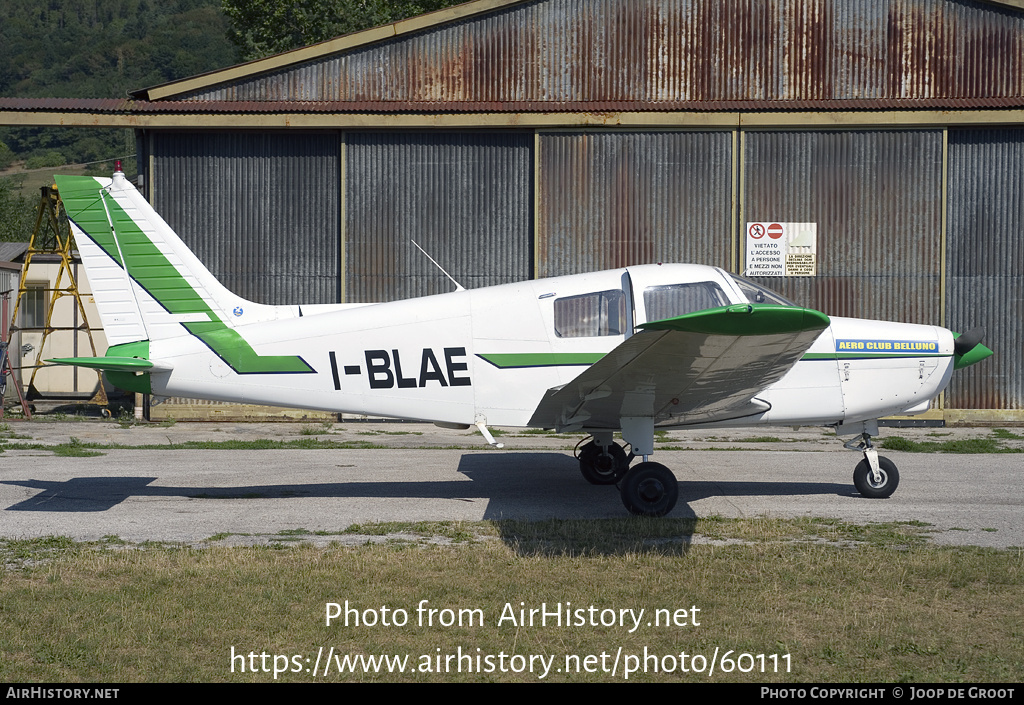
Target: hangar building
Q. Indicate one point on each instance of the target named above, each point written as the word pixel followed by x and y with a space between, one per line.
pixel 529 138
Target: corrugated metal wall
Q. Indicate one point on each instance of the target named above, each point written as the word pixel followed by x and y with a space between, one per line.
pixel 876 197
pixel 675 50
pixel 615 198
pixel 261 210
pixel 985 258
pixel 465 198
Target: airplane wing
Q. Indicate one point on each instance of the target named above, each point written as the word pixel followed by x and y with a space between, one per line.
pixel 702 366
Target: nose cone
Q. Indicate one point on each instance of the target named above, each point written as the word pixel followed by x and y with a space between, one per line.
pixel 968 350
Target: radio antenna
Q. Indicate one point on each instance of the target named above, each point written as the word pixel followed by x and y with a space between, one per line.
pixel 458 287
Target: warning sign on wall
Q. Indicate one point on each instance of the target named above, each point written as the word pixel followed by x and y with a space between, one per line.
pixel 782 249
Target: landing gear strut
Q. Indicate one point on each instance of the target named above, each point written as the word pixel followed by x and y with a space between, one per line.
pixel 875 477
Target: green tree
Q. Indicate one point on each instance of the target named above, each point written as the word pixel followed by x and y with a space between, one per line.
pixel 17 213
pixel 6 156
pixel 101 49
pixel 263 27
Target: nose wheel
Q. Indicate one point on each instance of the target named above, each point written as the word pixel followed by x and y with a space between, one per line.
pixel 876 485
pixel 875 477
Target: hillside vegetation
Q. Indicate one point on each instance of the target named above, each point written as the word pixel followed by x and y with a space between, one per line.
pixel 98 49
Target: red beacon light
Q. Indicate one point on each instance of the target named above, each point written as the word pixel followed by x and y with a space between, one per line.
pixel 117 167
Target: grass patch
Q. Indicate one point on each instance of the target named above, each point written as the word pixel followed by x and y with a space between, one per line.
pixel 675 536
pixel 313 430
pixel 995 443
pixel 16 551
pixel 496 432
pixel 836 597
pixel 966 446
pixel 78 448
pixel 1006 435
pixel 7 432
pixel 451 530
pixel 75 448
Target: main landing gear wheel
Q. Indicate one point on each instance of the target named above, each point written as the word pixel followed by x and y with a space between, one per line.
pixel 605 467
pixel 866 484
pixel 649 489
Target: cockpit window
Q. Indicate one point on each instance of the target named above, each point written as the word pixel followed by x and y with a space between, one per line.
pixel 673 300
pixel 757 294
pixel 591 315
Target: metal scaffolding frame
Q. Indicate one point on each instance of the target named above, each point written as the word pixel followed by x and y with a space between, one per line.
pixel 52 237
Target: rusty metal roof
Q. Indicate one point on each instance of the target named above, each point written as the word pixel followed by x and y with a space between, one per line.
pixel 617 56
pixel 142 107
pixel 533 55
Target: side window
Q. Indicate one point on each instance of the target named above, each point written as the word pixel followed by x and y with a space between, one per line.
pixel 33 306
pixel 678 299
pixel 590 315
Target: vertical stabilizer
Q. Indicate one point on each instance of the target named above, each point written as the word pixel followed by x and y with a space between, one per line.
pixel 147 284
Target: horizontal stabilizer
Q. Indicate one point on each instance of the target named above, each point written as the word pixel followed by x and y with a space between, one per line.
pixel 113 364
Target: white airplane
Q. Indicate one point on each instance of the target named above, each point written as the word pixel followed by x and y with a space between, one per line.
pixel 630 350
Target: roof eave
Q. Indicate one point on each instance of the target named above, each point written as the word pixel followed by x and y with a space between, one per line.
pixel 934 116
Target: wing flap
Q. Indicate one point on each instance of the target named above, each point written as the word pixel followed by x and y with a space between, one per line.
pixel 703 366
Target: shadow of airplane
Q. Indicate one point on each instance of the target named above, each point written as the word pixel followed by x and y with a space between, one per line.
pixel 514 486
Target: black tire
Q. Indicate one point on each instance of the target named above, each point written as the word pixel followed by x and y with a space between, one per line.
pixel 649 489
pixel 867 487
pixel 603 468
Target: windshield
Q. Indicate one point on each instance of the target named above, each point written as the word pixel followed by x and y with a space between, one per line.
pixel 757 294
pixel 673 300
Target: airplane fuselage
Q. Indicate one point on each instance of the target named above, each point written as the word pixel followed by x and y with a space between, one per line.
pixel 490 354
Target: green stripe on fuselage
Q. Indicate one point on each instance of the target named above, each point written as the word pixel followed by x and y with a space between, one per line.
pixel 84 203
pixel 513 360
pixel 233 349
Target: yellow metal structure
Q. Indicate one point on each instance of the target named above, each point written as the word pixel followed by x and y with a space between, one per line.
pixel 52 238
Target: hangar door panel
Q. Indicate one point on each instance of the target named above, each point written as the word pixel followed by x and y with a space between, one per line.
pixel 615 198
pixel 876 197
pixel 260 210
pixel 464 197
pixel 985 279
